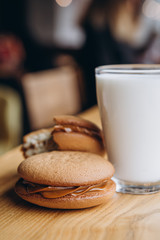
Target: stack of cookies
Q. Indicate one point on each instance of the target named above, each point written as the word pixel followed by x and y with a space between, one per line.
pixel 64 166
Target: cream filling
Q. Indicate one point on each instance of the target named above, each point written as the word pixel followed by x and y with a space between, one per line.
pixel 39 143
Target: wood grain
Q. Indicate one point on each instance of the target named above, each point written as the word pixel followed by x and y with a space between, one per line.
pixel 123 217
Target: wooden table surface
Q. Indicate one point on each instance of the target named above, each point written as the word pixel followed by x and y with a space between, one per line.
pixel 123 217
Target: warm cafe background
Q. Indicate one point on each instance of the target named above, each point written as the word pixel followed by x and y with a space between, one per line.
pixel 48 55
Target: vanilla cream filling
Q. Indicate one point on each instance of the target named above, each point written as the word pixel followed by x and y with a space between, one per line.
pixel 39 143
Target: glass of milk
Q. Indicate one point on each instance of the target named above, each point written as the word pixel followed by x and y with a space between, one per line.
pixel 129 104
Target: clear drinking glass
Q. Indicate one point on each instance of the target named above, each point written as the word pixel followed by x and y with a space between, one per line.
pixel 129 104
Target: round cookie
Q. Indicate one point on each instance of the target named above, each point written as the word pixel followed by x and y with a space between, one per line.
pixel 65 179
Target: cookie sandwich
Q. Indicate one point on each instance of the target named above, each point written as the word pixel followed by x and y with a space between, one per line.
pixel 65 180
pixel 69 133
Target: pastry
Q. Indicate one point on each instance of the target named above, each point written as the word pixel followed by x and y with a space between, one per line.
pixel 68 133
pixel 65 180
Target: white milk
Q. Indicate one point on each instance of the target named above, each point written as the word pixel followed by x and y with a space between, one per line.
pixel 130 110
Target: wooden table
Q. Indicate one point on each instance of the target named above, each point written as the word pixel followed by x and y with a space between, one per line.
pixel 123 217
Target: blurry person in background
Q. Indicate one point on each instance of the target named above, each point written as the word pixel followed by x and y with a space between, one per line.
pixel 118 32
pixel 12 55
pixel 87 33
pixel 37 36
pixel 45 29
pixel 15 19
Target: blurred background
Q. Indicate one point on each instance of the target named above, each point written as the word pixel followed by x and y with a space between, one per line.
pixel 48 55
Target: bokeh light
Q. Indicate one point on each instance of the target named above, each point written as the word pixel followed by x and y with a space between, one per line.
pixel 63 3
